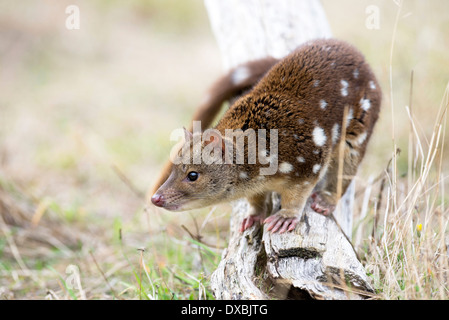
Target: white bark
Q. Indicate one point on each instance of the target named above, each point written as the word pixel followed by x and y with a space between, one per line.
pixel 251 29
pixel 316 260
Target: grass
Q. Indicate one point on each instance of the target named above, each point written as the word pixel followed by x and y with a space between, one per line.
pixel 169 268
pixel 84 130
pixel 406 252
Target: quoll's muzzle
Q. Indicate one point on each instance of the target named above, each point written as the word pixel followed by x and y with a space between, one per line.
pixel 158 200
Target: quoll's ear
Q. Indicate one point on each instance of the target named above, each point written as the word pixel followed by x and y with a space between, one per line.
pixel 213 142
pixel 214 139
pixel 187 134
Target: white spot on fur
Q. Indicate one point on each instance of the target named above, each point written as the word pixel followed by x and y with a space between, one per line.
pixel 349 117
pixel 316 151
pixel 335 133
pixel 263 153
pixel 300 121
pixel 300 159
pixel 306 183
pixel 285 167
pixel 243 175
pixel 316 83
pixel 319 137
pixel 323 172
pixel 372 85
pixel 361 138
pixel 316 168
pixel 356 73
pixel 344 87
pixel 240 74
pixel 365 104
pixel 323 104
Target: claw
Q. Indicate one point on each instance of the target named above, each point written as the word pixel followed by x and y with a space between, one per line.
pixel 279 223
pixel 320 205
pixel 248 222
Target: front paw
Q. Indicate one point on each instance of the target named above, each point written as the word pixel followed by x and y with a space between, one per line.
pixel 249 221
pixel 322 203
pixel 282 221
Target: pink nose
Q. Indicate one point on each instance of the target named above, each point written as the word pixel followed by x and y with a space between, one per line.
pixel 158 200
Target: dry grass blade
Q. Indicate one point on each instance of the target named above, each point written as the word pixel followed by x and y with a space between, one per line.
pixel 411 255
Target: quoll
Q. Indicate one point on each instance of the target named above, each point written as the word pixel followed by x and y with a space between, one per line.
pixel 322 89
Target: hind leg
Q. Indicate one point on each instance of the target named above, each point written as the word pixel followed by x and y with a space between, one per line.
pixel 359 123
pixel 327 193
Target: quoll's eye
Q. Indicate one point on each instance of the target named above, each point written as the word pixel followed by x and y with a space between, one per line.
pixel 192 175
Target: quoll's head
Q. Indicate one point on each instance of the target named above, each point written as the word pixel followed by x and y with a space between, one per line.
pixel 193 186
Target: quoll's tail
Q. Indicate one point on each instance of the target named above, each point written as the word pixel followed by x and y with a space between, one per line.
pixel 230 86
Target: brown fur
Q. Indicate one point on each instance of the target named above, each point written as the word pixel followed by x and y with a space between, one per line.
pixel 304 97
pixel 223 89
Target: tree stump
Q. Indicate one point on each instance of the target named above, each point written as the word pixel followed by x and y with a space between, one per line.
pixel 316 260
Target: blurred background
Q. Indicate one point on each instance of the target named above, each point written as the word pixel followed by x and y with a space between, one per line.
pixel 85 119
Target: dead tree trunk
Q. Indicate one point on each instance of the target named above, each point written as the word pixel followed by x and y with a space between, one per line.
pixel 316 260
